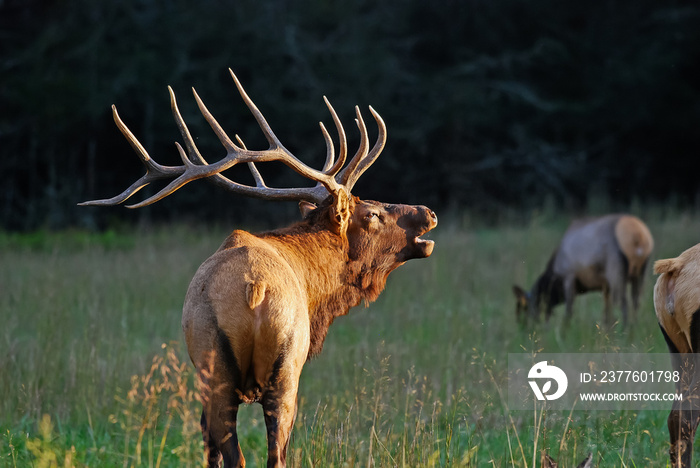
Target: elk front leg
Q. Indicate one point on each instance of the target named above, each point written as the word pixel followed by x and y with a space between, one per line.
pixel 569 294
pixel 607 306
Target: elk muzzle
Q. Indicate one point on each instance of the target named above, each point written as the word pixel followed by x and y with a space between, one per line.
pixel 417 222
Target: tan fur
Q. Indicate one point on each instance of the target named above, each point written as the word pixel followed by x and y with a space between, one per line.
pixel 676 301
pixel 677 296
pixel 635 242
pixel 255 294
pixel 262 304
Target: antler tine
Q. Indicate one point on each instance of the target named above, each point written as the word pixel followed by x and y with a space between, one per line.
pixel 154 171
pixel 259 182
pixel 343 150
pixel 369 159
pixel 330 151
pixel 346 173
pixel 262 122
pixel 230 148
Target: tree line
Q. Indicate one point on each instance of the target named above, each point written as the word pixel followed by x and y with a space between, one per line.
pixel 489 105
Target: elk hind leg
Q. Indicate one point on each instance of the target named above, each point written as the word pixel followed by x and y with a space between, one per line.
pixel 219 430
pixel 636 282
pixel 280 409
pixel 685 415
pixel 682 425
pixel 279 420
pixel 621 296
pixel 636 289
pixel 212 451
pixel 218 375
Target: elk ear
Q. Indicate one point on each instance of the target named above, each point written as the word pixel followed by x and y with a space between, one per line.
pixel 340 212
pixel 520 294
pixel 305 208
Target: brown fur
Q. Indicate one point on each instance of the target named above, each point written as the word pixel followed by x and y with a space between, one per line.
pixel 677 300
pixel 262 305
pixel 597 254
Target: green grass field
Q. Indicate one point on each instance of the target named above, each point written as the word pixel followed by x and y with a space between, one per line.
pixel 93 371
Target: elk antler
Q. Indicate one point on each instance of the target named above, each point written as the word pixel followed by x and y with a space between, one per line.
pixel 328 180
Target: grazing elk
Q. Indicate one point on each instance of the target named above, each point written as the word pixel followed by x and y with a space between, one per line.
pixel 261 305
pixel 603 253
pixel 677 302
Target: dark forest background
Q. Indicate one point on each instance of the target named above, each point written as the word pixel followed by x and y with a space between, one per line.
pixel 490 104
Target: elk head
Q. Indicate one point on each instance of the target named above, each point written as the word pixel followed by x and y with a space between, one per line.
pixel 523 304
pixel 528 304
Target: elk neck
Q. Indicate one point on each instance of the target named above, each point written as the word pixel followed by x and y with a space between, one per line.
pixel 548 287
pixel 320 259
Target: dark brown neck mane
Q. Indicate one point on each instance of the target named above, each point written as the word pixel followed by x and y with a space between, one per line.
pixel 547 288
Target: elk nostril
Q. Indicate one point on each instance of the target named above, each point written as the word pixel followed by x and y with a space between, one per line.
pixel 433 215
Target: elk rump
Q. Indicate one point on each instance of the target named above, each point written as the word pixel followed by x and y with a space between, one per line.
pixel 677 303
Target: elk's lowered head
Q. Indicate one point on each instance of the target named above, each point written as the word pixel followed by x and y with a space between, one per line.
pixel 524 304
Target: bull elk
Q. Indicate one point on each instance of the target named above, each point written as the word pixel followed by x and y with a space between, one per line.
pixel 677 301
pixel 261 305
pixel 603 253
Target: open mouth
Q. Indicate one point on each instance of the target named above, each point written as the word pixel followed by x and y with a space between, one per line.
pixel 426 242
pixel 426 245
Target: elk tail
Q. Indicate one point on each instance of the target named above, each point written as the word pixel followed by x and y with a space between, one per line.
pixel 255 294
pixel 667 265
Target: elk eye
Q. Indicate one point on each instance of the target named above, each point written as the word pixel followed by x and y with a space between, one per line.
pixel 371 217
